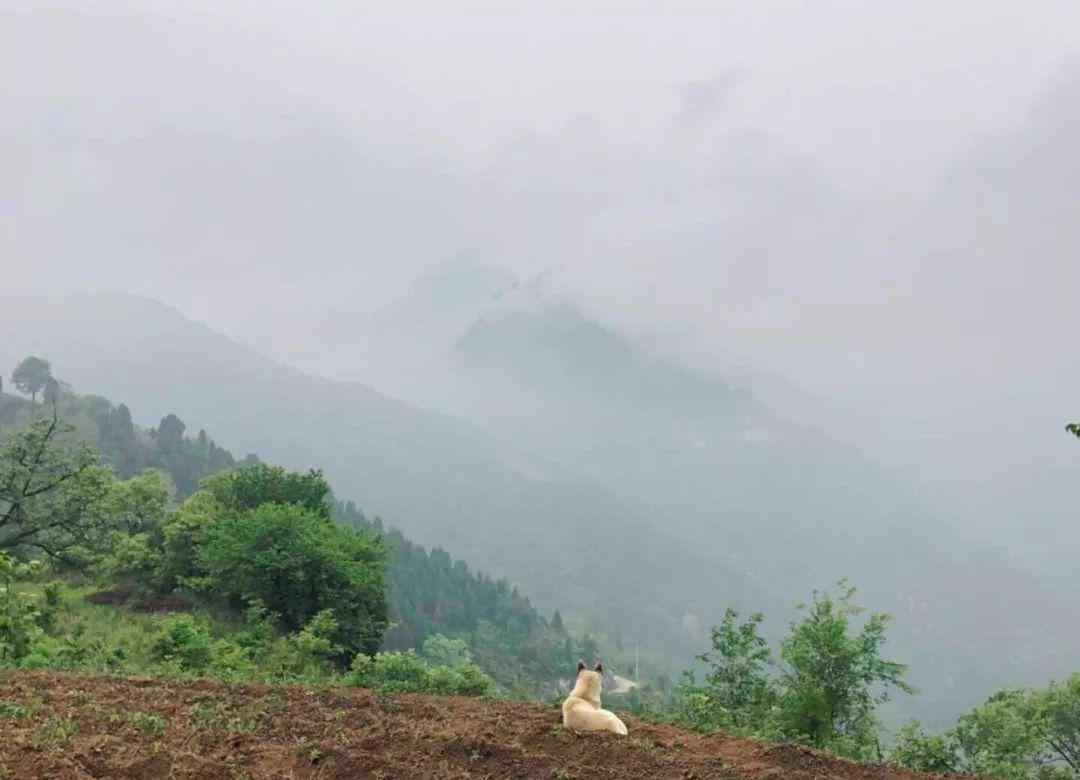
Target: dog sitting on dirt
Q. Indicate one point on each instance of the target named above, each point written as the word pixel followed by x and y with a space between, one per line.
pixel 581 711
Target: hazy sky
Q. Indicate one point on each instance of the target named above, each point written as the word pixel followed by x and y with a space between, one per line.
pixel 877 199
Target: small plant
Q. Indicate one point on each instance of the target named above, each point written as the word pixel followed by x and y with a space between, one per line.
pixel 206 715
pixel 149 723
pixel 12 711
pixel 55 733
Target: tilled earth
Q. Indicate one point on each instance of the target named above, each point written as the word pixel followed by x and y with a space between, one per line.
pixel 74 726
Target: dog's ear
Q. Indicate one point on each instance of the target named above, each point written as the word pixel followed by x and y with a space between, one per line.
pixel 599 667
pixel 580 665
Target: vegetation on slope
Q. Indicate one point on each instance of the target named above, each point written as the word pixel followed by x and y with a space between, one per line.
pixel 271 588
pixel 165 539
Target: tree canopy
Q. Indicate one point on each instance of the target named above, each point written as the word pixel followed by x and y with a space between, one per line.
pixel 32 375
pixel 52 491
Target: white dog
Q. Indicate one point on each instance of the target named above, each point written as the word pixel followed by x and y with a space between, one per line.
pixel 581 711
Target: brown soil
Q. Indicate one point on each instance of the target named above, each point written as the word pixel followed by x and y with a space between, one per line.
pixel 127 596
pixel 72 726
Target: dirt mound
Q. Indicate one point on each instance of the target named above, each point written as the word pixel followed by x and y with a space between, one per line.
pixel 71 726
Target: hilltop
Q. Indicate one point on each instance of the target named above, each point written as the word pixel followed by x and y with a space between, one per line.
pixel 73 726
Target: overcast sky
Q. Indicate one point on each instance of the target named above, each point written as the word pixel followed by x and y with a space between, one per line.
pixel 879 200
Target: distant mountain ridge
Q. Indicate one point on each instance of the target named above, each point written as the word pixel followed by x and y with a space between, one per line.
pixel 442 481
pixel 651 517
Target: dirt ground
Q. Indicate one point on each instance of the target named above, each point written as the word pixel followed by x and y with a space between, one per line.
pixel 73 726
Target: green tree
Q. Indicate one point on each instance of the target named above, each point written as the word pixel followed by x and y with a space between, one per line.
pixel 1016 734
pixel 1074 429
pixel 1057 710
pixel 251 486
pixel 31 375
pixel 443 651
pixel 183 534
pixel 739 670
pixel 833 678
pixel 923 752
pixel 52 492
pixel 170 434
pixel 297 563
pixel 999 738
pixel 140 504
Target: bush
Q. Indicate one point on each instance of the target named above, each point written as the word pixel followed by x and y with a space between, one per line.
pixel 184 642
pixel 19 617
pixel 134 560
pixel 406 672
pixel 315 641
pixel 250 487
pixel 915 749
pixel 230 661
pixel 299 564
pixel 440 650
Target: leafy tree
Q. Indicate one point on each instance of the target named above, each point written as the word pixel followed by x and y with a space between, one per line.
pixel 834 678
pixel 52 492
pixel 182 535
pixel 440 650
pixel 140 504
pixel 1074 429
pixel 1023 734
pixel 298 564
pixel 999 738
pixel 915 749
pixel 252 486
pixel 31 375
pixel 1057 710
pixel 739 663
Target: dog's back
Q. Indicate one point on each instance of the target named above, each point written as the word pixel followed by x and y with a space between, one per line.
pixel 581 710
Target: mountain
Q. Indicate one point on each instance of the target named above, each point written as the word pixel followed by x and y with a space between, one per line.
pixel 441 481
pixel 765 482
pixel 629 488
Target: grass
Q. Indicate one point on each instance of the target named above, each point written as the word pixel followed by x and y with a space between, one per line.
pixel 149 723
pixel 102 626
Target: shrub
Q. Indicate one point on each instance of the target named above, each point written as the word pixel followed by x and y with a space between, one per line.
pixel 299 564
pixel 406 672
pixel 19 616
pixel 915 749
pixel 250 487
pixel 315 641
pixel 134 559
pixel 185 642
pixel 440 650
pixel 230 661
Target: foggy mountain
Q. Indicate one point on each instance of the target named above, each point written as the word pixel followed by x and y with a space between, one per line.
pixel 763 481
pixel 441 481
pixel 605 480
